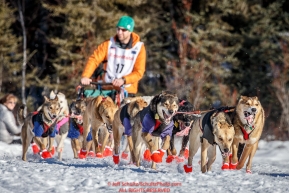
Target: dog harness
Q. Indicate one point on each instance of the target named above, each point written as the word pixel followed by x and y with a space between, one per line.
pixel 125 120
pixel 40 128
pixel 75 130
pixel 154 126
pixel 207 128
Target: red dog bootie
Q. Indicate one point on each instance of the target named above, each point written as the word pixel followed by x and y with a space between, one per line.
pixel 107 151
pixel 91 154
pixel 170 158
pixel 147 155
pixel 82 154
pixel 45 154
pixel 124 155
pixel 188 169
pixel 225 166
pixel 35 148
pixel 186 153
pixel 233 166
pixel 115 159
pixel 99 155
pixel 157 156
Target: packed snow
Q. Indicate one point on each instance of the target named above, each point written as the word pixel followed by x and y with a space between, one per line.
pixel 270 173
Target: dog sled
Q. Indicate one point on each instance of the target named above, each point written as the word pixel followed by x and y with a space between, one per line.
pixel 102 89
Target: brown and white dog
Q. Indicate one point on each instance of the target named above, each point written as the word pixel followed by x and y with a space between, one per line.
pixel 151 124
pixel 37 125
pixel 62 124
pixel 248 120
pixel 99 112
pixel 212 129
pixel 122 123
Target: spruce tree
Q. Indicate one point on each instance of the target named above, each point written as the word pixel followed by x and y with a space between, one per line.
pixel 10 66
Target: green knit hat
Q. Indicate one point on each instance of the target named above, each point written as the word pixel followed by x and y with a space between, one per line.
pixel 126 22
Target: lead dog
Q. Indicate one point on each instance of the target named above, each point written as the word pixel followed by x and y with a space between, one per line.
pixel 122 123
pixel 210 130
pixel 154 122
pixel 248 122
pixel 38 125
pixel 99 114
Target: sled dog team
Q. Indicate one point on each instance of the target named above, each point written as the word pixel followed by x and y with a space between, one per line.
pixel 148 125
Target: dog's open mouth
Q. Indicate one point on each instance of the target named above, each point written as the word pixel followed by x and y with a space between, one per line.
pixel 167 118
pixel 77 117
pixel 52 117
pixel 249 117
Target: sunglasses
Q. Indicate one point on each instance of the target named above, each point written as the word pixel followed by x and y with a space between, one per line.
pixel 122 29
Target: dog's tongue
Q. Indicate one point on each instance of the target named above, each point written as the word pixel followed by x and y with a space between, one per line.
pixel 184 132
pixel 250 119
pixel 167 117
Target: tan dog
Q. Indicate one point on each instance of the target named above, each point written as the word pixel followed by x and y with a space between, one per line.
pixel 99 112
pixel 38 125
pixel 122 123
pixel 248 123
pixel 151 124
pixel 211 129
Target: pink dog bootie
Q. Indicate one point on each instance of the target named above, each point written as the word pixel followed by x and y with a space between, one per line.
pixel 157 156
pixel 124 155
pixel 91 154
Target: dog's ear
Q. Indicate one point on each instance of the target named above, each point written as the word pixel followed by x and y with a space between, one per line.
pixel 255 97
pixel 46 99
pixel 52 95
pixel 154 102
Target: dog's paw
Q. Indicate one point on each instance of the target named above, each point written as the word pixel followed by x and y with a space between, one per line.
pixel 147 155
pixel 188 169
pixel 82 154
pixel 157 156
pixel 115 159
pixel 248 171
pixel 233 166
pixel 35 148
pixel 107 151
pixel 170 158
pixel 124 155
pixel 225 166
